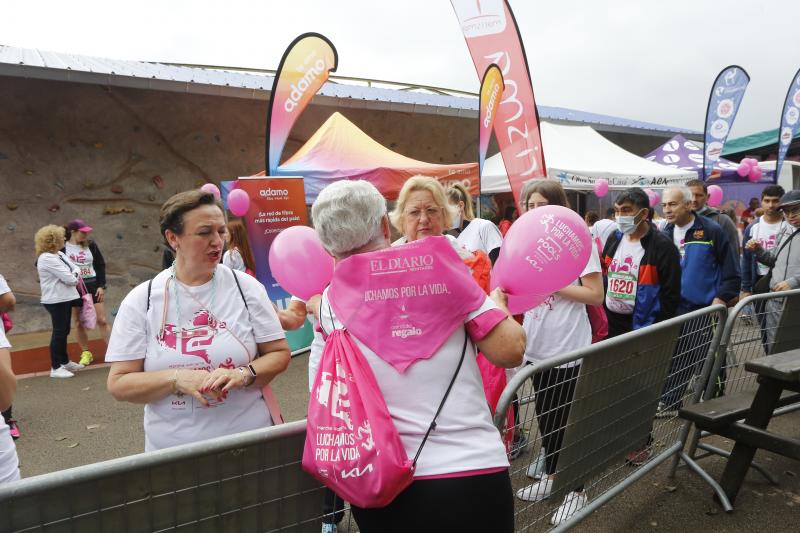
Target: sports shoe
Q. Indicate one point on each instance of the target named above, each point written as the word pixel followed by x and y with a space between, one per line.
pixel 639 457
pixel 13 429
pixel 518 445
pixel 536 492
pixel 573 502
pixel 86 358
pixel 329 528
pixel 536 468
pixel 72 366
pixel 60 372
pixel 666 411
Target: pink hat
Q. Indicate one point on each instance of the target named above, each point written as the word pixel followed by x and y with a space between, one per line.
pixel 79 225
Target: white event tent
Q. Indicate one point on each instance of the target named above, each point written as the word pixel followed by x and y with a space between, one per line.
pixel 578 156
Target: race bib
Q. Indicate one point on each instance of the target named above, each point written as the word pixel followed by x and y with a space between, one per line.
pixel 622 286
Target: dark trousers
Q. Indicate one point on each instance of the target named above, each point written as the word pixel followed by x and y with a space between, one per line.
pixel 465 504
pixel 687 361
pixel 555 389
pixel 760 310
pixel 618 324
pixel 332 508
pixel 60 315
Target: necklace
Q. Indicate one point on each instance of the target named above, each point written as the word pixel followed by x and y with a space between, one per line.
pixel 175 294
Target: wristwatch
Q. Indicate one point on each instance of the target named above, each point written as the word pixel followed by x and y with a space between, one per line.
pixel 249 374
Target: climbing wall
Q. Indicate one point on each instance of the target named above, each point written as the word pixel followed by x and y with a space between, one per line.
pixel 112 156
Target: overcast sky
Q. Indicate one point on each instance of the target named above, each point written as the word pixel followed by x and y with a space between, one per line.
pixel 644 60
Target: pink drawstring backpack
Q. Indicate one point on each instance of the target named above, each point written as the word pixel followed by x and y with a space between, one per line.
pixel 352 445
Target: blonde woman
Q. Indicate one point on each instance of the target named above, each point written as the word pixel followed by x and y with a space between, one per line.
pixel 472 233
pixel 421 210
pixel 58 277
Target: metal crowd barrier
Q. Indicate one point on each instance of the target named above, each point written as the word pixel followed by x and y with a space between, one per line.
pixel 759 325
pixel 603 425
pixel 250 481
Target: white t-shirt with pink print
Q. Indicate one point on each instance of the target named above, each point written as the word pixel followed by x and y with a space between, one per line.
pixel 199 333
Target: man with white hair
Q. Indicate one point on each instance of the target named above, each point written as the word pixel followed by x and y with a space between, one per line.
pixel 708 259
pixel 709 275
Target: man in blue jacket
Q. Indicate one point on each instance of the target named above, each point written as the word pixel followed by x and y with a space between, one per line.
pixel 709 275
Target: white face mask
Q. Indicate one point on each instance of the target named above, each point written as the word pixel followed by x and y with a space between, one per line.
pixel 456 221
pixel 627 223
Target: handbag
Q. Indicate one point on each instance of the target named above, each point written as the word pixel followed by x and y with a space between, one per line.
pixel 7 322
pixel 762 285
pixel 87 314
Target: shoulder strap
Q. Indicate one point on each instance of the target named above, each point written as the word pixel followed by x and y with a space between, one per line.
pixel 241 293
pixel 149 286
pixel 444 399
pixel 787 241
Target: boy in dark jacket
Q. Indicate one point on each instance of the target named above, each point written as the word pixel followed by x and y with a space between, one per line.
pixel 641 268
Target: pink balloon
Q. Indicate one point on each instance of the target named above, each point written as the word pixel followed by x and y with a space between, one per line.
pixel 755 174
pixel 714 195
pixel 238 202
pixel 545 250
pixel 752 161
pixel 743 168
pixel 213 189
pixel 653 197
pixel 299 262
pixel 601 187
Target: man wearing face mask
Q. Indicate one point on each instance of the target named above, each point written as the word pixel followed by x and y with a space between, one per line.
pixel 699 205
pixel 641 268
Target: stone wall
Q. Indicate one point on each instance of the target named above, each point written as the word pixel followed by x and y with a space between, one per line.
pixel 112 156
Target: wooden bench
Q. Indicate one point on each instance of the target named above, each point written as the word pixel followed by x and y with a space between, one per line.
pixel 778 385
pixel 721 412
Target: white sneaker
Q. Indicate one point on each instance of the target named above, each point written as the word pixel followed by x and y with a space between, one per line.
pixel 536 491
pixel 60 372
pixel 73 367
pixel 536 468
pixel 573 502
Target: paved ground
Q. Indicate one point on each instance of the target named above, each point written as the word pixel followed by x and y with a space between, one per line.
pixel 71 422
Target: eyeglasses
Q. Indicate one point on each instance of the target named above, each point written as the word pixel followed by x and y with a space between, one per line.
pixel 430 212
pixel 791 211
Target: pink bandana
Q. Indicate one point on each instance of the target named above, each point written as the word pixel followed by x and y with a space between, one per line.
pixel 404 302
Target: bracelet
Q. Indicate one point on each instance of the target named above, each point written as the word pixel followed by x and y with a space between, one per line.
pixel 247 377
pixel 174 381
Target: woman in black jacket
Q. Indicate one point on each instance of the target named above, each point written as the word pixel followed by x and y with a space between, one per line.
pixel 86 255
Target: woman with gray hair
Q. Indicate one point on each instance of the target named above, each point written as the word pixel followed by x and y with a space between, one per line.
pixel 464 463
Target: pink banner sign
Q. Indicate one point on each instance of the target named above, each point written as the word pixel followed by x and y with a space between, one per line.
pixel 303 70
pixel 404 302
pixel 493 37
pixel 491 93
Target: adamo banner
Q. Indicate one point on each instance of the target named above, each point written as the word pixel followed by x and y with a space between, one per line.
pixel 304 68
pixel 491 93
pixel 789 122
pixel 723 104
pixel 493 37
pixel 275 204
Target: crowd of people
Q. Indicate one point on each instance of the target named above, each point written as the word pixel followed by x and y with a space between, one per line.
pixel 203 333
